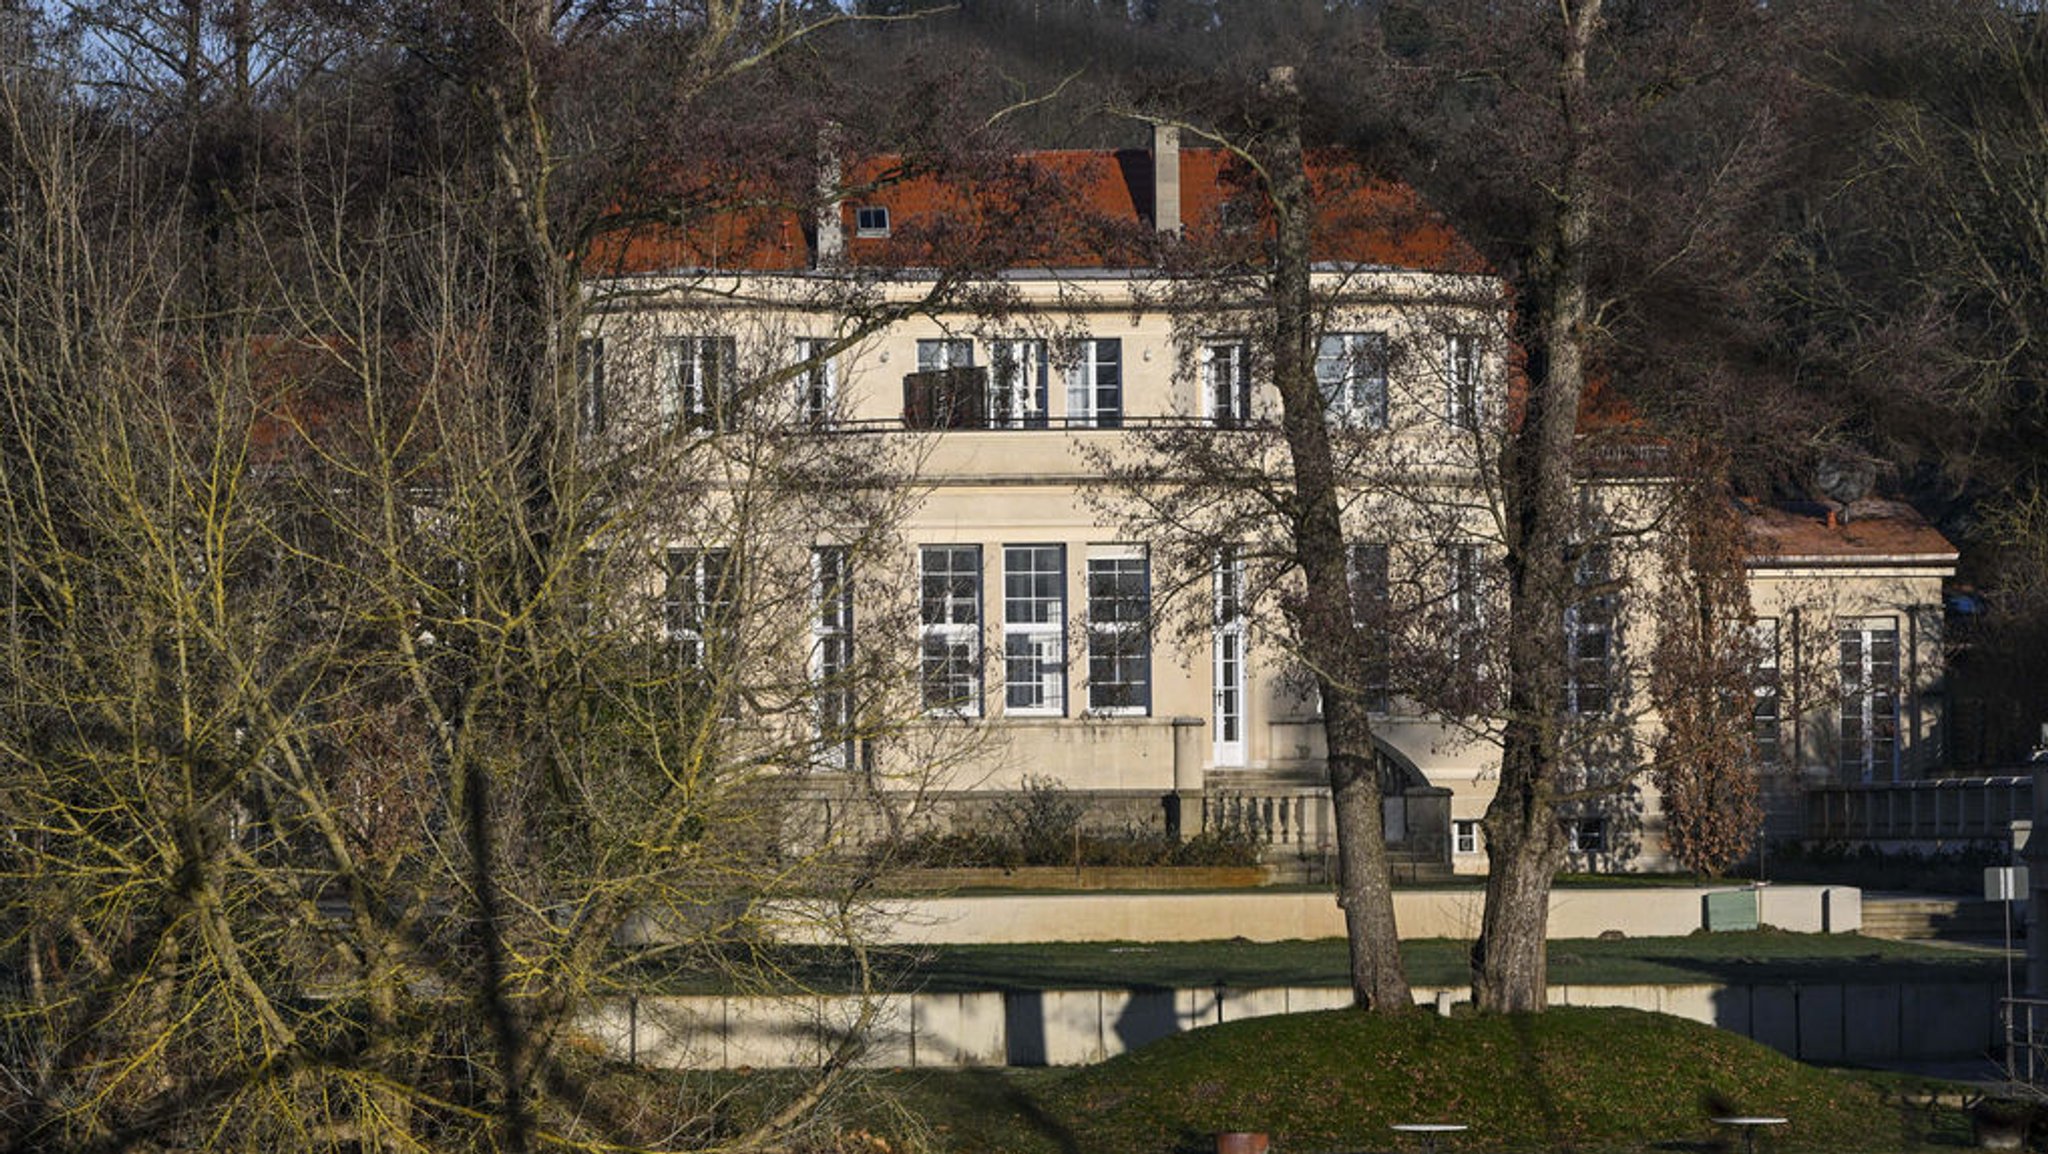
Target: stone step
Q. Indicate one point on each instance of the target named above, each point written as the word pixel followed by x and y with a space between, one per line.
pixel 1932 919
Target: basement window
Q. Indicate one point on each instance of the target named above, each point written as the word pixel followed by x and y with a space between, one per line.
pixel 871 220
pixel 1464 837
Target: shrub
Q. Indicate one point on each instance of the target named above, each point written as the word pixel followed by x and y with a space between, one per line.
pixel 1042 826
pixel 1234 845
pixel 1042 821
pixel 1953 869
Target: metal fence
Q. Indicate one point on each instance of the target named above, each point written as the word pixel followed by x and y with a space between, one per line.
pixel 2026 1040
pixel 1943 809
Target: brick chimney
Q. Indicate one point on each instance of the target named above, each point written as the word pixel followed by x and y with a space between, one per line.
pixel 1166 178
pixel 828 225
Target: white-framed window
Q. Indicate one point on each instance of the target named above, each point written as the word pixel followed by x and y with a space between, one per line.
pixel 1589 633
pixel 1464 836
pixel 1227 645
pixel 592 403
pixel 1587 834
pixel 935 353
pixel 949 607
pixel 1371 593
pixel 871 220
pixel 832 654
pixel 696 383
pixel 1227 384
pixel 817 382
pixel 1095 384
pixel 1119 630
pixel 1463 396
pixel 1035 630
pixel 1017 384
pixel 699 596
pixel 1766 711
pixel 1869 749
pixel 1351 369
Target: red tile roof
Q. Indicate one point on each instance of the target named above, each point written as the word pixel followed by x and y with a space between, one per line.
pixel 1056 209
pixel 1867 530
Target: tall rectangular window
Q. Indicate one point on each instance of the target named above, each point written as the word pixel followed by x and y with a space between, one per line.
pixel 1351 369
pixel 1017 384
pixel 817 383
pixel 1467 589
pixel 1119 630
pixel 1371 594
pixel 1466 605
pixel 592 403
pixel 949 606
pixel 1228 650
pixel 1869 749
pixel 1589 627
pixel 698 602
pixel 1227 384
pixel 1035 630
pixel 1766 714
pixel 1095 385
pixel 1464 397
pixel 696 380
pixel 832 654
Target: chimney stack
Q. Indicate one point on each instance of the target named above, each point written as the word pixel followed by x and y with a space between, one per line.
pixel 829 225
pixel 1166 178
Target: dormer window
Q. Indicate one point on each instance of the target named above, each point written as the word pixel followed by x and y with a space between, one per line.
pixel 871 220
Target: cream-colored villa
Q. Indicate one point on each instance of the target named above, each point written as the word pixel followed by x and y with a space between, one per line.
pixel 1066 631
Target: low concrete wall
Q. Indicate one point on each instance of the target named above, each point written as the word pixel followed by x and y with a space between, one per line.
pixel 1271 916
pixel 1833 1022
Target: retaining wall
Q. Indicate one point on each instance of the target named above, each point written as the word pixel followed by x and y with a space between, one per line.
pixel 1279 915
pixel 1835 1022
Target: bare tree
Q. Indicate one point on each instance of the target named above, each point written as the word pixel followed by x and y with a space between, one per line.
pixel 1704 682
pixel 395 685
pixel 1264 501
pixel 1910 297
pixel 1566 186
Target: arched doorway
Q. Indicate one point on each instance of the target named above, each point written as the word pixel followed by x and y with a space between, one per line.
pixel 1416 815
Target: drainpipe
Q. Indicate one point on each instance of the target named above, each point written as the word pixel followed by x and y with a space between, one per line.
pixel 1187 773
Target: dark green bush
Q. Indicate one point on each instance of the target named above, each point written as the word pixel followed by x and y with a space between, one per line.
pixel 1042 826
pixel 1043 821
pixel 1952 870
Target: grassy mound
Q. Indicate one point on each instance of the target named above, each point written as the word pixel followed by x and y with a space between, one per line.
pixel 1569 1079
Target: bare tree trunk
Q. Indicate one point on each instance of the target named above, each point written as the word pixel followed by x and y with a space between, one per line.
pixel 527 364
pixel 1525 842
pixel 1333 645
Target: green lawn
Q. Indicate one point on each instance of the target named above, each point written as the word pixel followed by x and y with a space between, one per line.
pixel 1762 956
pixel 1593 1081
